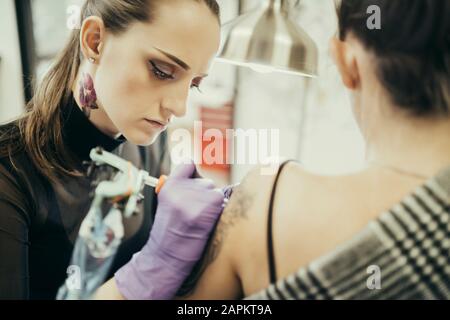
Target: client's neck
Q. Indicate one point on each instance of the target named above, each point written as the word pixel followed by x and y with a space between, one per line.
pixel 416 146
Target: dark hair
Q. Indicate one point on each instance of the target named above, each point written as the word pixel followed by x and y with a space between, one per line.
pixel 412 50
pixel 38 131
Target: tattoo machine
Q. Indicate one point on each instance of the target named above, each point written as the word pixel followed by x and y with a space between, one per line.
pixel 100 235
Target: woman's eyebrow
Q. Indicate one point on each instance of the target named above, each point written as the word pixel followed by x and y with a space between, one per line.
pixel 179 62
pixel 175 59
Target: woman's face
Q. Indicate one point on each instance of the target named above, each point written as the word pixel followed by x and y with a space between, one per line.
pixel 145 74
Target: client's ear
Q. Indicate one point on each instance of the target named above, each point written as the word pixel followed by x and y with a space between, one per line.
pixel 345 59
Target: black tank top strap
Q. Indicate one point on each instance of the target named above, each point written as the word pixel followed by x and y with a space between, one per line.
pixel 271 253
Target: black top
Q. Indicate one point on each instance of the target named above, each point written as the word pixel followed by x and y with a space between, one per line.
pixel 270 247
pixel 40 220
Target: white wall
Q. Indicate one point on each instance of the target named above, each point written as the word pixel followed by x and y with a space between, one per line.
pixel 11 85
pixel 315 122
pixel 330 142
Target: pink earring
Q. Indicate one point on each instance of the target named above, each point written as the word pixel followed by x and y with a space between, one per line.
pixel 88 96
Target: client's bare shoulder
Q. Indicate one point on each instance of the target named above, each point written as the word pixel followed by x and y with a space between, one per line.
pixel 312 215
pixel 305 221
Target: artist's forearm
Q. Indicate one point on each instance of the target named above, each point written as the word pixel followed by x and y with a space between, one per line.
pixel 109 291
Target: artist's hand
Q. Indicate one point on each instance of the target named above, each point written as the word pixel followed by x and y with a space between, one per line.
pixel 188 209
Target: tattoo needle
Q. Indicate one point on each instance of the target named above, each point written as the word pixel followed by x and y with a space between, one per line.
pixel 155 182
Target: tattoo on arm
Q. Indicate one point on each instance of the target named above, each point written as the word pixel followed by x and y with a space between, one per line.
pixel 240 203
pixel 237 209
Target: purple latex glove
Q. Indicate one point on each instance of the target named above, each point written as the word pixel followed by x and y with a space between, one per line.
pixel 188 209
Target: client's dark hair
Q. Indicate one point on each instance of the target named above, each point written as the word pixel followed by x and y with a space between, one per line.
pixel 412 50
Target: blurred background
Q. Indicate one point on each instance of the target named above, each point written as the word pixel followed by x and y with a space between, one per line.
pixel 313 115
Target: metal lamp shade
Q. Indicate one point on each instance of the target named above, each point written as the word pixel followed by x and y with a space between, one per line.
pixel 267 40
